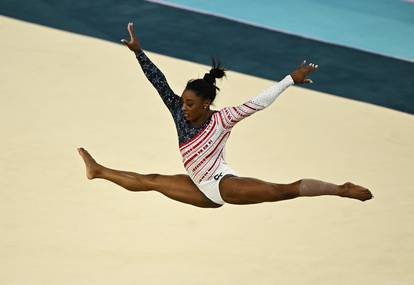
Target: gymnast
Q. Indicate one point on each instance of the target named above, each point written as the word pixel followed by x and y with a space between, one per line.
pixel 202 134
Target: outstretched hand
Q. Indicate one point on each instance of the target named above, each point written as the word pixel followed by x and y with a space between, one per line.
pixel 133 44
pixel 299 74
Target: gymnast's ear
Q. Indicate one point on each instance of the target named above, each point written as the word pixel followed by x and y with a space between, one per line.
pixel 206 103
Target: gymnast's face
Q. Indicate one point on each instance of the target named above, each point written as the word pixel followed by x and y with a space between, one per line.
pixel 194 107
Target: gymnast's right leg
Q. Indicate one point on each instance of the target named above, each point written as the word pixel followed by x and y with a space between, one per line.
pixel 177 187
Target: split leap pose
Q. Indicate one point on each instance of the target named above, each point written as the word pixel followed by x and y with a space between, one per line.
pixel 202 135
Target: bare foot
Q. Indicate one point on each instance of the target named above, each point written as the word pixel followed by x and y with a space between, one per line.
pixel 351 190
pixel 92 167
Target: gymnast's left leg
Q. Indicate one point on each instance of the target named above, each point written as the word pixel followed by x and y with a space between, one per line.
pixel 244 190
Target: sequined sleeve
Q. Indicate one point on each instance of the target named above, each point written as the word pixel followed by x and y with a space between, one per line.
pixel 158 80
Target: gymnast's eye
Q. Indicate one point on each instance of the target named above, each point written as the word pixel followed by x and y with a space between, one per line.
pixel 189 103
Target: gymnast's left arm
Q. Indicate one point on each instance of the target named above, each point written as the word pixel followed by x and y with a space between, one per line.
pixel 233 115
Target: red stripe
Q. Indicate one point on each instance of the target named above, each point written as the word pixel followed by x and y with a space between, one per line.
pixel 196 136
pixel 244 112
pixel 214 163
pixel 227 134
pixel 213 171
pixel 200 142
pixel 245 104
pixel 203 139
pixel 222 121
pixel 259 107
pixel 205 159
pixel 235 116
pixel 197 151
pixel 198 171
pixel 211 153
pixel 227 113
pixel 192 149
pixel 188 160
pixel 238 113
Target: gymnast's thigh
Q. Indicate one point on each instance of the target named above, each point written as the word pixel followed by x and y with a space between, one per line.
pixel 247 190
pixel 181 188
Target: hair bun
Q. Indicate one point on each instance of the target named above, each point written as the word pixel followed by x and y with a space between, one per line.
pixel 209 78
pixel 216 71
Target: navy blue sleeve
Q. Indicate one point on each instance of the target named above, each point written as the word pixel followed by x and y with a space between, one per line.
pixel 158 80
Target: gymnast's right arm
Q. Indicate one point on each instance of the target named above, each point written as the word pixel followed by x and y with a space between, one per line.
pixel 153 74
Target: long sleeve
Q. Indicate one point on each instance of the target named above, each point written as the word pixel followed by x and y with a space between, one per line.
pixel 232 115
pixel 158 80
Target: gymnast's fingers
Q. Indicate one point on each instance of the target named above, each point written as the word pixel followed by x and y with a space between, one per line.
pixel 132 31
pixel 311 67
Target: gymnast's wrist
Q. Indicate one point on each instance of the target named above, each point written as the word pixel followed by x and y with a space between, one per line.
pixel 138 51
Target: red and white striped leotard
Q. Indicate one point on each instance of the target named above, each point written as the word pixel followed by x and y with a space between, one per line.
pixel 202 148
pixel 204 153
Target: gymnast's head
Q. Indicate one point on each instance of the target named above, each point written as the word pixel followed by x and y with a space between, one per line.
pixel 199 94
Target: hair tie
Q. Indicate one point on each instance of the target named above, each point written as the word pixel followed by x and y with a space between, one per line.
pixel 209 78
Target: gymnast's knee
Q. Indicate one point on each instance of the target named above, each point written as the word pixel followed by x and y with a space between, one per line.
pixel 286 191
pixel 149 181
pixel 144 182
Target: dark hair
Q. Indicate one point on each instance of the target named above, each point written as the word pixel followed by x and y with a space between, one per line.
pixel 206 88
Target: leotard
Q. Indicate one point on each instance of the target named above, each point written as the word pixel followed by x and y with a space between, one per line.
pixel 202 147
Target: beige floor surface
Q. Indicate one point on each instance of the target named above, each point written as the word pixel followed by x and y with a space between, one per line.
pixel 60 91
